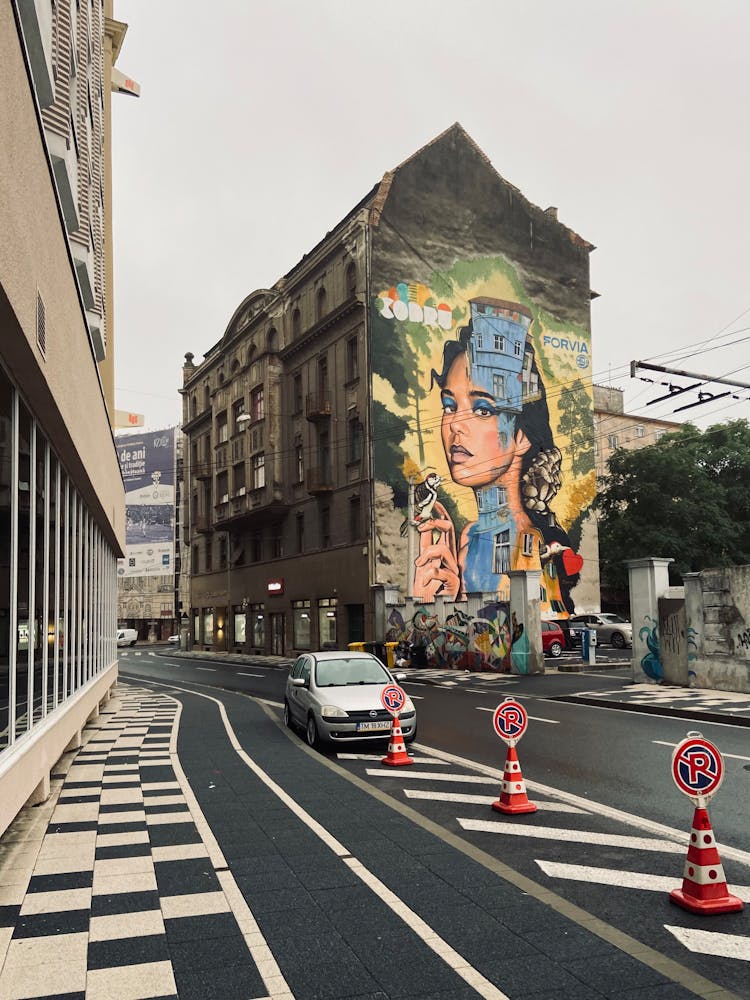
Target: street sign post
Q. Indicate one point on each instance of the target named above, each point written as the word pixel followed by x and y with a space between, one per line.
pixel 697 768
pixel 393 699
pixel 510 720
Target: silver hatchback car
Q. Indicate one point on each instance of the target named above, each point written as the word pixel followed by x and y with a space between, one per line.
pixel 334 696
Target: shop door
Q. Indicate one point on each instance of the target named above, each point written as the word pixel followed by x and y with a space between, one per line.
pixel 355 614
pixel 277 634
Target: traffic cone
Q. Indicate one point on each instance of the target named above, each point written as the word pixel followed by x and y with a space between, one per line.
pixel 513 797
pixel 397 755
pixel 704 886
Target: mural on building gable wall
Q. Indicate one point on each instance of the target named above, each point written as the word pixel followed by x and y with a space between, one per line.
pixel 483 409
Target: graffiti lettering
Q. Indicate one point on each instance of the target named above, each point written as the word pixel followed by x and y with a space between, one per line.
pixel 743 639
pixel 429 315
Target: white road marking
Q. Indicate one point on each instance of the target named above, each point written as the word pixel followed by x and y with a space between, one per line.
pixel 415 684
pixel 571 836
pixel 619 815
pixel 379 756
pixel 472 779
pixel 481 800
pixel 536 718
pixel 211 670
pixel 243 674
pixel 625 880
pixel 455 961
pixel 733 756
pixel 417 697
pixel 712 942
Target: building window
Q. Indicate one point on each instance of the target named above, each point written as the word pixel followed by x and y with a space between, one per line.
pixel 196 567
pixel 299 464
pixel 257 406
pixel 528 544
pixel 355 519
pixel 256 548
pixel 612 440
pixel 501 553
pixel 640 431
pixel 196 626
pixel 259 471
pixel 223 552
pixel 258 626
pixel 222 487
pixel 272 341
pixel 300 532
pixel 499 343
pixel 208 555
pixel 238 478
pixel 517 348
pixel 296 324
pixel 325 527
pixel 297 393
pixel 354 440
pixel 222 428
pixel 327 622
pixel 208 627
pixel 301 624
pixel 502 495
pixel 498 386
pixel 238 408
pixel 277 547
pixel 659 434
pixel 239 626
pixel 352 359
pixel 351 279
pixel 320 303
pixel 323 378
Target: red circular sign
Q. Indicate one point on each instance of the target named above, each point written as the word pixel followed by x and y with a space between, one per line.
pixel 697 767
pixel 510 720
pixel 393 698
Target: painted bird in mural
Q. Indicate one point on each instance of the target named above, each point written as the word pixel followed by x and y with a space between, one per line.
pixel 425 495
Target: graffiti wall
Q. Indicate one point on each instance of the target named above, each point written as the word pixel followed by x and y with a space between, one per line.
pixel 482 422
pixel 491 640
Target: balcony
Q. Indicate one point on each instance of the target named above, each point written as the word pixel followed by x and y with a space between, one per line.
pixel 318 481
pixel 202 470
pixel 318 406
pixel 202 524
pixel 265 503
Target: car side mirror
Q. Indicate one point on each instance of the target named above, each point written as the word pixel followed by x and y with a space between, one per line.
pixel 298 682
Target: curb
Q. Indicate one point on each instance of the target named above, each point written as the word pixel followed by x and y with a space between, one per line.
pixel 675 713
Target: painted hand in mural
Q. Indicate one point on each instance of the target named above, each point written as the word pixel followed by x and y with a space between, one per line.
pixel 436 569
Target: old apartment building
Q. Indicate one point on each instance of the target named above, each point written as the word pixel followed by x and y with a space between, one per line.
pixel 312 425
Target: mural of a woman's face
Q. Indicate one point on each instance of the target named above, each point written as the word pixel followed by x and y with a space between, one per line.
pixel 479 438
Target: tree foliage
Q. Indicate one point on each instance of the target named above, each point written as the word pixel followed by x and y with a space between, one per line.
pixel 686 497
pixel 576 419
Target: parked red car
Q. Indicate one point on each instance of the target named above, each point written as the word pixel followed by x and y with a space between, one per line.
pixel 553 639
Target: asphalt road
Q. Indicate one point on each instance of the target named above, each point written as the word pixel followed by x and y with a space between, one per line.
pixel 611 829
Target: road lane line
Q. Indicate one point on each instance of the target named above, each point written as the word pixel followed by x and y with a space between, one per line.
pixel 471 779
pixel 732 756
pixel 482 800
pixel 619 815
pixel 243 674
pixel 623 879
pixel 712 942
pixel 536 718
pixel 211 670
pixel 571 836
pixel 461 966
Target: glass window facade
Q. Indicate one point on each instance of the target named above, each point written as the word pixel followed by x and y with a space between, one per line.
pixel 58 578
pixel 301 624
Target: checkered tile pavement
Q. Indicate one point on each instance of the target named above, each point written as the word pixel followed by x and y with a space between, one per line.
pixel 108 890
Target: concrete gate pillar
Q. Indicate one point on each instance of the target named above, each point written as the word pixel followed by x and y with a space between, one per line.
pixel 694 621
pixel 648 580
pixel 526 655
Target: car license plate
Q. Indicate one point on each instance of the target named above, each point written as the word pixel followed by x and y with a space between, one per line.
pixel 370 727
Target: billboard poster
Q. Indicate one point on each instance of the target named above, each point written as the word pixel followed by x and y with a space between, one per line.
pixel 147 463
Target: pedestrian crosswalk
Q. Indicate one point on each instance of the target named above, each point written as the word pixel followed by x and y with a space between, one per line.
pixel 581 850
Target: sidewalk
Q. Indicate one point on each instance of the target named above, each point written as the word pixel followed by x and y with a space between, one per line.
pixel 192 849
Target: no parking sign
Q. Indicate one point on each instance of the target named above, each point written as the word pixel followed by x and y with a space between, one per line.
pixel 697 767
pixel 510 720
pixel 393 698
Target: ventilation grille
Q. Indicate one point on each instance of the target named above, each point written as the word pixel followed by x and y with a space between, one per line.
pixel 41 324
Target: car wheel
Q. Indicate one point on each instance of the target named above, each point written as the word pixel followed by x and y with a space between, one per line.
pixel 555 649
pixel 287 716
pixel 133 643
pixel 618 640
pixel 311 732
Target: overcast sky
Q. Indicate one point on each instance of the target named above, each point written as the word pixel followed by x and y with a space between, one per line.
pixel 262 122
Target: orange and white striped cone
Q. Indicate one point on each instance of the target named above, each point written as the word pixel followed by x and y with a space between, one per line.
pixel 513 798
pixel 704 885
pixel 397 755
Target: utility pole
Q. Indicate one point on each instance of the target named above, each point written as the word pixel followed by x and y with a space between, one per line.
pixel 678 390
